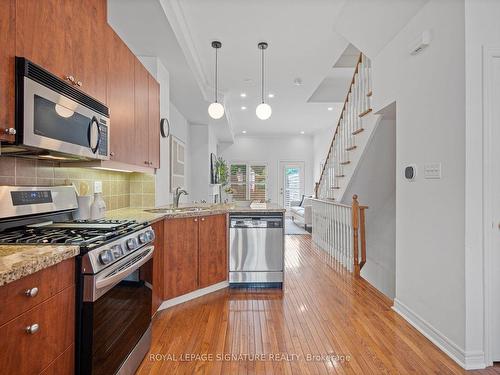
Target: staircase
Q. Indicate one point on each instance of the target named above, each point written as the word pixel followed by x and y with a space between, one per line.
pixel 353 132
pixel 339 224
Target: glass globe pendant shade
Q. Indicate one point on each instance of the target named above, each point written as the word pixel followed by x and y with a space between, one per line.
pixel 216 110
pixel 263 111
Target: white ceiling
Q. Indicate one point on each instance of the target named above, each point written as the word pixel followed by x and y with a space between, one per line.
pixel 304 39
pixel 302 43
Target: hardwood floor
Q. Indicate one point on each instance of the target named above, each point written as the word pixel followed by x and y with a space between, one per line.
pixel 324 322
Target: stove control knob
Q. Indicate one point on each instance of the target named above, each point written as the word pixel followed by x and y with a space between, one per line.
pixel 105 257
pixel 132 244
pixel 143 238
pixel 151 235
pixel 117 251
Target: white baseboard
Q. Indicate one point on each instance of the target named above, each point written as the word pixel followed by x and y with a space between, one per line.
pixel 469 361
pixel 189 296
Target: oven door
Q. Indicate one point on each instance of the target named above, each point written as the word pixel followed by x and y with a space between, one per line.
pixel 116 317
pixel 54 122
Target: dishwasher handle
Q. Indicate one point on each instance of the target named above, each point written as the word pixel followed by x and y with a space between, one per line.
pixel 256 222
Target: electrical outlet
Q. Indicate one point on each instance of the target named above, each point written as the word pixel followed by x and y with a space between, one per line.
pixel 432 171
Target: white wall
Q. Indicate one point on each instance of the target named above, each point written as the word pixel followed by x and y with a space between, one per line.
pixel 322 140
pixel 179 127
pixel 272 150
pixel 203 143
pixel 429 90
pixel 482 31
pixel 375 184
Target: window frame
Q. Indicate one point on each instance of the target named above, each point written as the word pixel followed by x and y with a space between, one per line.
pixel 248 165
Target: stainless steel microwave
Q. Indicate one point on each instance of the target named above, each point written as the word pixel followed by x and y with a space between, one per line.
pixel 55 120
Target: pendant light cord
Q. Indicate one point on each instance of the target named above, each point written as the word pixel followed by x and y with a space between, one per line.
pixel 262 75
pixel 216 74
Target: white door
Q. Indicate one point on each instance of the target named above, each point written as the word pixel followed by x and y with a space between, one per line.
pixel 492 118
pixel 291 187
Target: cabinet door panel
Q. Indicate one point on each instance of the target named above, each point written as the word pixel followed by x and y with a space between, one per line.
pixel 90 55
pixel 120 95
pixel 7 72
pixel 141 115
pixel 213 250
pixel 42 34
pixel 154 123
pixel 181 256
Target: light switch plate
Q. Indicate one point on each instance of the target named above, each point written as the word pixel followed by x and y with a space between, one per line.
pixel 432 171
pixel 97 186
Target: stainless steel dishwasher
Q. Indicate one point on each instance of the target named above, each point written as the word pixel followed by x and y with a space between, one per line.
pixel 256 250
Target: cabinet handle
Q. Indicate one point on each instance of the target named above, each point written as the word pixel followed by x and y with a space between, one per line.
pixel 32 292
pixel 79 83
pixel 71 79
pixel 146 162
pixel 32 329
pixel 111 153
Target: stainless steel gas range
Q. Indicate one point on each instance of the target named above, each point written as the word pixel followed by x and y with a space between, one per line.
pixel 113 299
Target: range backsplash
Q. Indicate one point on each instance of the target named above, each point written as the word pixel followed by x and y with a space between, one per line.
pixel 120 189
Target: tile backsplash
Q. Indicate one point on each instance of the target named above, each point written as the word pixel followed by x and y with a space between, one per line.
pixel 120 189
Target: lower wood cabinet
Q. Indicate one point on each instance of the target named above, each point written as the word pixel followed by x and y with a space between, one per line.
pixel 37 322
pixel 194 254
pixel 212 255
pixel 35 339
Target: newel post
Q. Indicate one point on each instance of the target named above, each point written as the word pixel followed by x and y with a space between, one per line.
pixel 355 228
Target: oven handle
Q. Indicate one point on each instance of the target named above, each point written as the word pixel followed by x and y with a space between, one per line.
pixel 113 279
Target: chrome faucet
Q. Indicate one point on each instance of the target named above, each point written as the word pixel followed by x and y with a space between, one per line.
pixel 177 195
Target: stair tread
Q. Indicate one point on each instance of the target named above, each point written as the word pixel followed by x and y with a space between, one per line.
pixel 365 112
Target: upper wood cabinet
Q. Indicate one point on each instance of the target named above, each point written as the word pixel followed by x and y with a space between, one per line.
pixel 141 138
pixel 212 250
pixel 65 37
pixel 89 49
pixel 7 70
pixel 154 123
pixel 121 100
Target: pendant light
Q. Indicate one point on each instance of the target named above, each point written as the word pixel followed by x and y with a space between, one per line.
pixel 263 110
pixel 216 109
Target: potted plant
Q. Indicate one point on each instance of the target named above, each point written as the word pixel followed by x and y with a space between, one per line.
pixel 222 171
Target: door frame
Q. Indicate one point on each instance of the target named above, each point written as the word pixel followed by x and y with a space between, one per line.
pixel 489 225
pixel 282 163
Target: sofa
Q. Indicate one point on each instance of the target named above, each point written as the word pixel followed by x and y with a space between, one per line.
pixel 301 212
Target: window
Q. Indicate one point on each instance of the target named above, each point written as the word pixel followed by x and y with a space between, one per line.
pixel 248 181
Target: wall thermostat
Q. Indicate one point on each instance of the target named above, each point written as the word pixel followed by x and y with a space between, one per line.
pixel 411 172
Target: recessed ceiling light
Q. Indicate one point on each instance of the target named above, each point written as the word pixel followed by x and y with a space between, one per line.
pixel 302 132
pixel 271 95
pixel 243 107
pixel 297 81
pixel 330 108
pixel 243 95
pixel 244 132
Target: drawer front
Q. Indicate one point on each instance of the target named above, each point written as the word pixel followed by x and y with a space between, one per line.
pixel 63 365
pixel 21 295
pixel 30 353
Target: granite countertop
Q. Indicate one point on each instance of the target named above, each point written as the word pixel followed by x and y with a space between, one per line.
pixel 18 261
pixel 144 215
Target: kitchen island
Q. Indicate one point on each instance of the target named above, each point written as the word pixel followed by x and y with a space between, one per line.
pixel 192 256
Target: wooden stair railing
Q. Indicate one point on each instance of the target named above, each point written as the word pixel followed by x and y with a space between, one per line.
pixel 339 230
pixel 357 104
